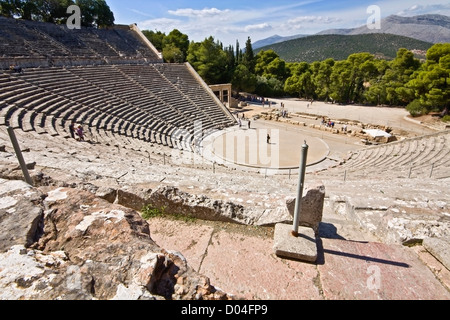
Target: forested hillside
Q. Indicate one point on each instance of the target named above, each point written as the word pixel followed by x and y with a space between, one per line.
pixel 422 85
pixel 339 47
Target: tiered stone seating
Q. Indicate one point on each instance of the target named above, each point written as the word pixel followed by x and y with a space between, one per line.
pixel 121 37
pixel 45 44
pixel 107 79
pixel 138 104
pixel 422 157
pixel 107 97
pixel 192 107
pixel 148 79
pixel 181 77
pixel 15 41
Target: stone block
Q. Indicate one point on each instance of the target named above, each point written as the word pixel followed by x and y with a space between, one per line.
pixel 311 210
pixel 302 247
pixel 439 248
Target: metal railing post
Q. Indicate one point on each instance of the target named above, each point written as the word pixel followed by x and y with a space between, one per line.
pixel 19 156
pixel 301 183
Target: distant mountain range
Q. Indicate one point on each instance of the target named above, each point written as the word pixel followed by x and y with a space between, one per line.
pixel 339 47
pixel 276 39
pixel 432 28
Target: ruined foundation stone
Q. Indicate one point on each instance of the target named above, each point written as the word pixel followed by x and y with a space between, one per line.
pixel 311 211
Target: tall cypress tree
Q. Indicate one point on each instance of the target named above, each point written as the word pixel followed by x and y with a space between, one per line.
pixel 238 53
pixel 249 56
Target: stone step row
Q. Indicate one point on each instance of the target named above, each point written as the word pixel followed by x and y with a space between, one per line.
pixel 413 156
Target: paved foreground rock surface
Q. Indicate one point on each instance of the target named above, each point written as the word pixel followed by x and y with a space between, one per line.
pixel 246 266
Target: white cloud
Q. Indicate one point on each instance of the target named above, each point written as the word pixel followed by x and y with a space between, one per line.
pixel 307 23
pixel 161 24
pixel 204 13
pixel 258 27
pixel 314 19
pixel 426 9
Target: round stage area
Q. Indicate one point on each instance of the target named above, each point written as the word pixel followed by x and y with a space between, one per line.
pixel 250 147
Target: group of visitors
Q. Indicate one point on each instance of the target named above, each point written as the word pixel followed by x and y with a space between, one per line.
pixel 284 113
pixel 76 132
pixel 328 124
pixel 241 124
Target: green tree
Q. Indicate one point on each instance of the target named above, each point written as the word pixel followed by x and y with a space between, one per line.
pixel 249 56
pixel 173 54
pixel 269 65
pixel 209 60
pixel 391 88
pixel 340 82
pixel 244 80
pixel 300 83
pixel 293 85
pixel 230 63
pixel 350 77
pixel 175 44
pixel 269 87
pixel 263 59
pixel 156 38
pixel 416 109
pixel 23 9
pixel 377 91
pixel 239 54
pixel 321 78
pixel 95 13
pixel 431 82
pixel 52 11
pixel 276 69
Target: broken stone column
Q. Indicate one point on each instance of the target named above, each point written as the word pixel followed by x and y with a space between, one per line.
pixel 311 211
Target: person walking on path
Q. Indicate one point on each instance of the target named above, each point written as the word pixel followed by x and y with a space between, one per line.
pixel 268 138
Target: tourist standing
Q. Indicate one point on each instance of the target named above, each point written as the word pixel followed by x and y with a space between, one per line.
pixel 80 133
pixel 72 129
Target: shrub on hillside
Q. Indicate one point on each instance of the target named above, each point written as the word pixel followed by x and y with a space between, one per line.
pixel 416 109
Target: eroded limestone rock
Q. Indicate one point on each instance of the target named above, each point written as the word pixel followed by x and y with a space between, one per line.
pixel 21 213
pixel 89 249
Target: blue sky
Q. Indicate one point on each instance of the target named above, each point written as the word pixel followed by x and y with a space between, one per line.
pixel 232 20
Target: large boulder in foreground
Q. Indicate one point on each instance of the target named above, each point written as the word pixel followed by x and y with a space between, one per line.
pixel 92 249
